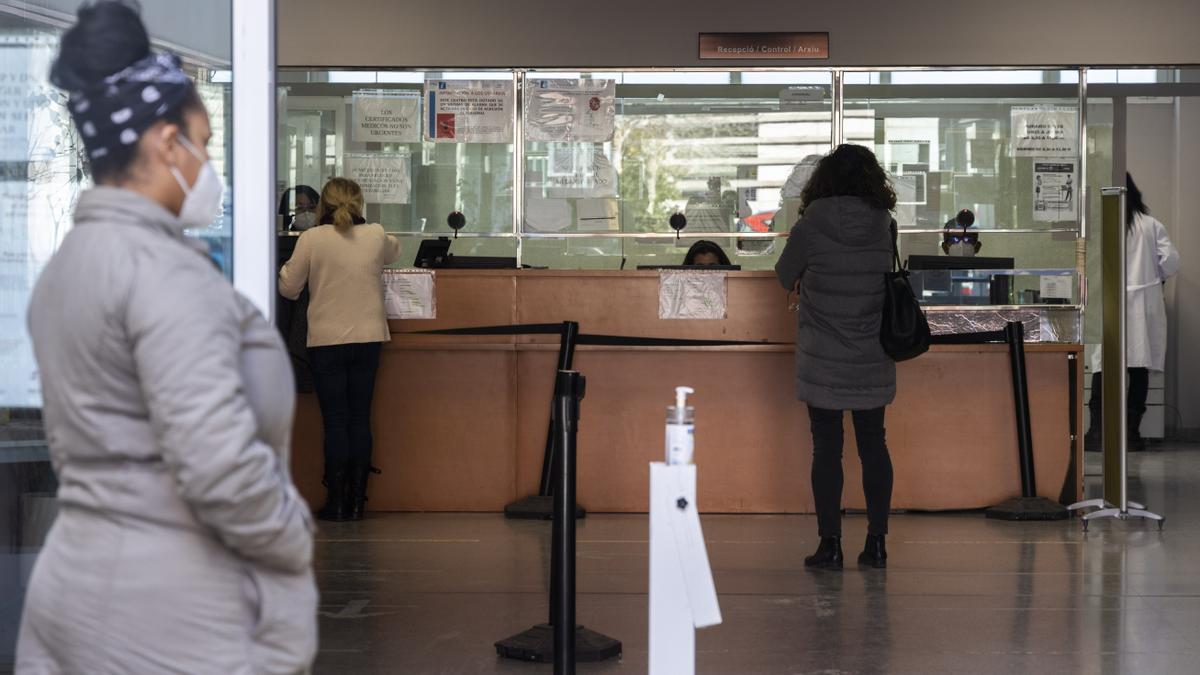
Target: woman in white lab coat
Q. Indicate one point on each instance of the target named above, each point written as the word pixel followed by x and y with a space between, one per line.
pixel 1150 260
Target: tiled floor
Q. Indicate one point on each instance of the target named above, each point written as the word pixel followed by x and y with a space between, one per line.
pixel 431 593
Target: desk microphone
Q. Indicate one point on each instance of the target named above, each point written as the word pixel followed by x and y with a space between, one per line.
pixel 622 262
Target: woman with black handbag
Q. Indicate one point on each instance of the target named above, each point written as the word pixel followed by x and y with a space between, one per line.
pixel 837 257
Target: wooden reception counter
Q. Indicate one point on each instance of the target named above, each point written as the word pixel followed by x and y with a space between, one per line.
pixel 460 421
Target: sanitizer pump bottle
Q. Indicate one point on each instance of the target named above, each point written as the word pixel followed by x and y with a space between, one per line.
pixel 681 428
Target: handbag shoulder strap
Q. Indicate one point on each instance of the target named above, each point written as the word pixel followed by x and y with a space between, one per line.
pixel 895 246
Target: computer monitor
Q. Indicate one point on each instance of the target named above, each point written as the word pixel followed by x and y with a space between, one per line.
pixel 432 252
pixel 997 284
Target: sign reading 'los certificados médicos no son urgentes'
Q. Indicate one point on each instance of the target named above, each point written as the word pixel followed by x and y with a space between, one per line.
pixel 764 45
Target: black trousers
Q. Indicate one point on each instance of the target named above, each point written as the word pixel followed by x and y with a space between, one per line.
pixel 344 377
pixel 1139 388
pixel 827 468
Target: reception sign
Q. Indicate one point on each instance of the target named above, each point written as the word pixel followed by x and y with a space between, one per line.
pixel 785 46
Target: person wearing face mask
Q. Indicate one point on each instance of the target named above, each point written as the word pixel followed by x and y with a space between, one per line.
pixel 297 213
pixel 340 261
pixel 957 239
pixel 301 214
pixel 180 541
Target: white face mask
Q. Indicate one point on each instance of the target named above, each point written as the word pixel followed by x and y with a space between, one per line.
pixel 202 201
pixel 963 248
pixel 304 221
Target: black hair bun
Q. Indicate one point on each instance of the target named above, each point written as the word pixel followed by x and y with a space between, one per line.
pixel 108 37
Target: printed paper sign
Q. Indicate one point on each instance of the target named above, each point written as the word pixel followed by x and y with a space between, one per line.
pixel 801 97
pixel 408 294
pixel 1045 131
pixel 570 110
pixel 580 171
pixel 386 116
pixel 1055 287
pixel 1054 191
pixel 688 294
pixel 383 177
pixel 468 111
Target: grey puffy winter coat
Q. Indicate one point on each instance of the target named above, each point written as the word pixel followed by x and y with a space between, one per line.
pixel 839 252
pixel 181 544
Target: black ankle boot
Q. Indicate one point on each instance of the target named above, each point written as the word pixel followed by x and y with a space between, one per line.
pixel 335 497
pixel 356 493
pixel 874 553
pixel 828 555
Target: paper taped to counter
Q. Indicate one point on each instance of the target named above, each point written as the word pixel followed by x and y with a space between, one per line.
pixel 408 294
pixel 688 294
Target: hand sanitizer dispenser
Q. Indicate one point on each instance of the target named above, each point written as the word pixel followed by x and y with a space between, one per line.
pixel 681 429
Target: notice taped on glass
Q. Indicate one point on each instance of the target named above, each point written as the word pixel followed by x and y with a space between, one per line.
pixel 409 294
pixel 1054 184
pixel 383 176
pixel 1045 131
pixel 570 110
pixel 387 116
pixel 468 111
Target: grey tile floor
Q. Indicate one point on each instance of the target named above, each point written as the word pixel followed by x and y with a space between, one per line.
pixel 431 593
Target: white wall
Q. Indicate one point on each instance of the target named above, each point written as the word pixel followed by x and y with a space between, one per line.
pixel 1163 137
pixel 633 33
pixel 1185 231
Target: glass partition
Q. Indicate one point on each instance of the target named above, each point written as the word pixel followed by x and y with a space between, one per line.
pixel 727 150
pixel 377 128
pixel 596 163
pixel 1002 144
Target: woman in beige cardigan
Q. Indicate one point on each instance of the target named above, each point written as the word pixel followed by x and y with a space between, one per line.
pixel 340 260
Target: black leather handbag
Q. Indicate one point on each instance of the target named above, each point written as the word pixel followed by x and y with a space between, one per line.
pixel 904 332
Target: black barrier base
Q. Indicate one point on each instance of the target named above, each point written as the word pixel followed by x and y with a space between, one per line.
pixel 537 644
pixel 1029 508
pixel 536 507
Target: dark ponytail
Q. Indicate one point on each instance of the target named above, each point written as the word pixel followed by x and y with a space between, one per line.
pixel 109 37
pixel 1133 202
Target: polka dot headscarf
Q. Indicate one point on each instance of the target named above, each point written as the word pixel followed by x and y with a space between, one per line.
pixel 122 106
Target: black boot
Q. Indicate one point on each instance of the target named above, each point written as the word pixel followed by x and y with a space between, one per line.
pixel 828 555
pixel 335 497
pixel 874 553
pixel 1133 430
pixel 356 494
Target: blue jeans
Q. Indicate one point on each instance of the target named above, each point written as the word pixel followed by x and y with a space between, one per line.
pixel 344 377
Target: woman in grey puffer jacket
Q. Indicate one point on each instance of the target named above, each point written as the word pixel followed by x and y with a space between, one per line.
pixel 180 545
pixel 836 258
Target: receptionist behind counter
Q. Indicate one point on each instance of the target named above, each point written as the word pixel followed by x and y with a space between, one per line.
pixel 705 252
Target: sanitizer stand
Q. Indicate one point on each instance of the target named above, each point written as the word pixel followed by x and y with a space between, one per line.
pixel 682 595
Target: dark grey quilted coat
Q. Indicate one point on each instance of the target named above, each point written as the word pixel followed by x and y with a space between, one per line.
pixel 839 251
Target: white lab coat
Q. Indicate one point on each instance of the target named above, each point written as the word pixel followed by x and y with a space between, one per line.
pixel 1150 260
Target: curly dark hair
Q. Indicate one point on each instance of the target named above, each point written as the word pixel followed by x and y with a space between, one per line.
pixel 850 171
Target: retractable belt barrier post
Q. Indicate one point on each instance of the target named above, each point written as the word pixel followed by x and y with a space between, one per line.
pixel 562 640
pixel 1029 506
pixel 540 506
